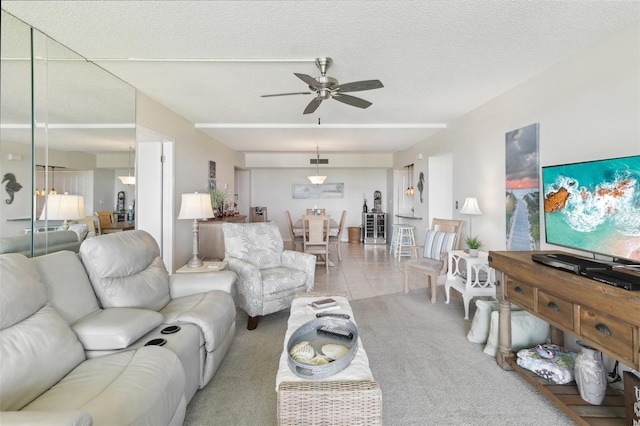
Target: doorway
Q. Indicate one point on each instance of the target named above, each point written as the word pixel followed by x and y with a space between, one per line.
pixel 154 190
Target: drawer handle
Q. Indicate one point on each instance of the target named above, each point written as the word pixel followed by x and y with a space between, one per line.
pixel 518 290
pixel 603 329
pixel 553 306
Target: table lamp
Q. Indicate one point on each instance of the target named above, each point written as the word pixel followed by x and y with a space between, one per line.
pixel 63 207
pixel 470 207
pixel 195 206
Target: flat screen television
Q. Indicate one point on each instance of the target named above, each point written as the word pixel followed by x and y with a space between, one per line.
pixel 594 206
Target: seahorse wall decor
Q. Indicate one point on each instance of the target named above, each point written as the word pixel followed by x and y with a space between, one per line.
pixel 11 187
pixel 421 185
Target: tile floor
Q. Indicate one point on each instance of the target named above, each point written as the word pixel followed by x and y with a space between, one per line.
pixel 366 271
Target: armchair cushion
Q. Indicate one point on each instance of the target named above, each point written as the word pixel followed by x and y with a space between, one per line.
pixel 277 280
pixel 437 242
pixel 115 328
pixel 260 244
pixel 80 229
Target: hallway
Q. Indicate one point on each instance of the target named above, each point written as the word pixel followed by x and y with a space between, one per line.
pixel 366 271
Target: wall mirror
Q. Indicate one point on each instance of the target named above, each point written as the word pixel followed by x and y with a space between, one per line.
pixel 66 125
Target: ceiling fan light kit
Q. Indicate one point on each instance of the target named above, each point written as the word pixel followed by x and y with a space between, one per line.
pixel 325 87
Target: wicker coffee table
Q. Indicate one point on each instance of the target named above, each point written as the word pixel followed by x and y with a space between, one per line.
pixel 350 397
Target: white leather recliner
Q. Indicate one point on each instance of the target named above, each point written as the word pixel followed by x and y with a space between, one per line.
pixel 126 271
pixel 47 380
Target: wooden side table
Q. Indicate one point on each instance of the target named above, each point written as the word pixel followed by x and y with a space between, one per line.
pixel 471 276
pixel 207 266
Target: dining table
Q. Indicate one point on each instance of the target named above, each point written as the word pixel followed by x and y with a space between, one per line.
pixel 109 228
pixel 333 228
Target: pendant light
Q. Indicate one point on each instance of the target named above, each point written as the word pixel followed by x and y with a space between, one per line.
pixel 409 190
pixel 53 191
pixel 317 179
pixel 39 192
pixel 128 180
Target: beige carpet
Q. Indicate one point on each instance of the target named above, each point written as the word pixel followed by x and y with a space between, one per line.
pixel 428 372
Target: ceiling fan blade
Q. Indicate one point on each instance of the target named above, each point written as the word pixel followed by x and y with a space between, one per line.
pixel 313 105
pixel 286 94
pixel 352 100
pixel 309 80
pixel 357 86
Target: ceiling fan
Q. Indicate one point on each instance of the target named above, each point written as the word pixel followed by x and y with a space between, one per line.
pixel 325 87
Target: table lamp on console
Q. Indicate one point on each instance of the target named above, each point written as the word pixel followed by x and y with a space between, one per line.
pixel 195 206
pixel 64 207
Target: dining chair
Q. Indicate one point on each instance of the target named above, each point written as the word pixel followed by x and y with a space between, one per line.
pixel 258 214
pixel 321 212
pixel 96 225
pixel 335 240
pixel 443 237
pixel 106 217
pixel 296 240
pixel 315 236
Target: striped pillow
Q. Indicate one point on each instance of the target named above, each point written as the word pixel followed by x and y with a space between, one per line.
pixel 438 242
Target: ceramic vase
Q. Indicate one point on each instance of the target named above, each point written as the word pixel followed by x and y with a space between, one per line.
pixel 473 252
pixel 591 377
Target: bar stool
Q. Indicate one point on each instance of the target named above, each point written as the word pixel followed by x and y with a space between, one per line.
pixel 394 239
pixel 405 238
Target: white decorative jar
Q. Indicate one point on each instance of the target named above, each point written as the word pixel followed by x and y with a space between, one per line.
pixel 591 377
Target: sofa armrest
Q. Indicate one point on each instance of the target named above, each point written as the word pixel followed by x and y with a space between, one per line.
pixel 302 261
pixel 115 328
pixel 181 285
pixel 45 418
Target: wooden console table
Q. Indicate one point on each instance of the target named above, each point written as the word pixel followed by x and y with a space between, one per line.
pixel 603 316
pixel 211 238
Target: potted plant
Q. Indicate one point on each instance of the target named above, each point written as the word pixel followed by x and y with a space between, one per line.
pixel 218 198
pixel 474 244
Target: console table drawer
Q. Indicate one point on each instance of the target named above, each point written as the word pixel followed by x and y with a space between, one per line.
pixel 556 309
pixel 519 293
pixel 615 335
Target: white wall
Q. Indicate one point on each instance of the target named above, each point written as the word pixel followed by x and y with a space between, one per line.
pixel 193 151
pixel 588 108
pixel 273 188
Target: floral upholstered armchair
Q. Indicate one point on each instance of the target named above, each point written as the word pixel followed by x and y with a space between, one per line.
pixel 268 276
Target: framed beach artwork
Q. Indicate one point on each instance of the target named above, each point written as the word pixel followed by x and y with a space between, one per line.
pixel 522 189
pixel 324 190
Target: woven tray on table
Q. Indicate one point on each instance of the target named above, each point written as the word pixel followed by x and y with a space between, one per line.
pixel 329 403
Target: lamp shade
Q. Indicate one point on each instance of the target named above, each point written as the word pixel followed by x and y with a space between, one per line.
pixel 470 206
pixel 63 207
pixel 195 206
pixel 127 180
pixel 317 180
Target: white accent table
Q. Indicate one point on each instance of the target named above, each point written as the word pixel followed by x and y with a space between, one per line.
pixel 470 276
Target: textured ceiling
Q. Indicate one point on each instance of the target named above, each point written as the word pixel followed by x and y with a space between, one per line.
pixel 211 60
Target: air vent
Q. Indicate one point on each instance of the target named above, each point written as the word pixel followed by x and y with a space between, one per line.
pixel 319 161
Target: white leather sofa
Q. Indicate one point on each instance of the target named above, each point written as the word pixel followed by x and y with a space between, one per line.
pixel 70 356
pixel 43 243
